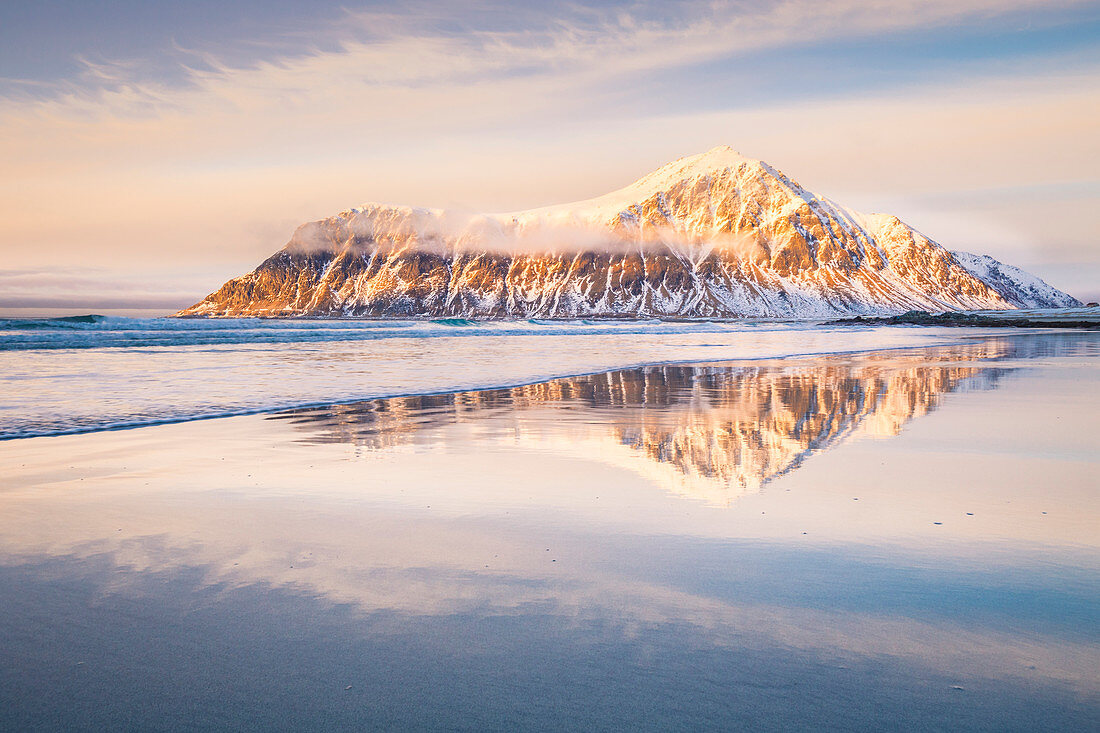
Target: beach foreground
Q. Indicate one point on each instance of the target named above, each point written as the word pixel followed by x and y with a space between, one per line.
pixel 889 539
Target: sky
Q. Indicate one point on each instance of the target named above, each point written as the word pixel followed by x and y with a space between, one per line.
pixel 151 151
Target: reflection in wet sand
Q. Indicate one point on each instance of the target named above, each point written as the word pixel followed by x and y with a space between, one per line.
pixel 710 432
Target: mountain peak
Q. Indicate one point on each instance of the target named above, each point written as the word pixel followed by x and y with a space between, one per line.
pixel 603 208
pixel 711 164
pixel 715 160
pixel 723 151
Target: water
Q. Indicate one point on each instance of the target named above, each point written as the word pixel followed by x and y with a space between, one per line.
pixel 91 372
pixel 885 539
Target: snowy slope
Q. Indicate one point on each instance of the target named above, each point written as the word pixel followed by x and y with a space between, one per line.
pixel 1020 288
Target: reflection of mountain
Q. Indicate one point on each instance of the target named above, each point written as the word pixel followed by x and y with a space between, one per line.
pixel 710 431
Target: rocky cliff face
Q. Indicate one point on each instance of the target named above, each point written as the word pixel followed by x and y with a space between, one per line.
pixel 712 235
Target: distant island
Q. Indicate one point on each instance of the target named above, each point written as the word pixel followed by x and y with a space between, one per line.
pixel 715 235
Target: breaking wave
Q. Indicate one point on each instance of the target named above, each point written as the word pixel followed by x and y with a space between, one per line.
pixel 98 332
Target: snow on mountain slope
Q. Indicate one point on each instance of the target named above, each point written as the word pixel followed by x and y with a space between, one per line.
pixel 710 235
pixel 1020 288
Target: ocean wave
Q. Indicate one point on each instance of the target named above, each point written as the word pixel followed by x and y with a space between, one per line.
pixel 462 322
pixel 106 332
pixel 26 324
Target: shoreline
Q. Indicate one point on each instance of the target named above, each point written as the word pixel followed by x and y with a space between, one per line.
pixel 1073 318
pixel 1044 317
pixel 784 359
pixel 109 385
pixel 748 360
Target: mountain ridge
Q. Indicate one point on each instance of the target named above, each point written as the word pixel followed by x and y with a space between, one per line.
pixel 711 235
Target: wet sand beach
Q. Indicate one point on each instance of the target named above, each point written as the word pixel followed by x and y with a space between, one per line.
pixel 895 539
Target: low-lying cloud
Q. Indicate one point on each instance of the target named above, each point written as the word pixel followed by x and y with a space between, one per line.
pixel 88 288
pixel 452 233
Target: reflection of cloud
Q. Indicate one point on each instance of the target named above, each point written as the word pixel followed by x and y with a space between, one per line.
pixel 711 432
pixel 417 567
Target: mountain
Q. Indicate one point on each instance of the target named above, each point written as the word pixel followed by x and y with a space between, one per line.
pixel 1021 289
pixel 711 235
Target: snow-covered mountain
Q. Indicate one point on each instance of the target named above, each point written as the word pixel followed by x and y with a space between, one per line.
pixel 710 235
pixel 1021 289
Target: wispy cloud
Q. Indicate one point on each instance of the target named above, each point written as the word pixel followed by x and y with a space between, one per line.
pixel 379 52
pixel 126 167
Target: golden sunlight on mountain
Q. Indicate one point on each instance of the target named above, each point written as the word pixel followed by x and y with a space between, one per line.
pixel 710 235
